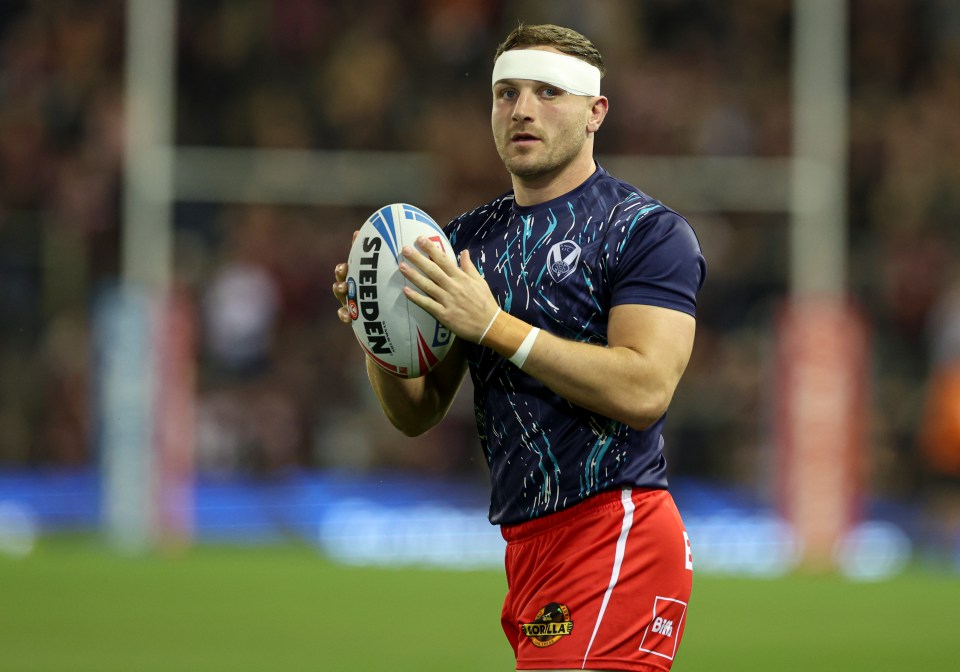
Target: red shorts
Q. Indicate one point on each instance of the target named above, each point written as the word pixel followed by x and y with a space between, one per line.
pixel 603 585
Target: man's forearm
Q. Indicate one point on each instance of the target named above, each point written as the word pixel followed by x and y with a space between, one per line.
pixel 414 405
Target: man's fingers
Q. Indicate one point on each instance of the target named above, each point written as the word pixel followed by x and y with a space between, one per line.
pixel 466 265
pixel 429 258
pixel 425 302
pixel 340 287
pixel 420 277
pixel 427 266
pixel 435 252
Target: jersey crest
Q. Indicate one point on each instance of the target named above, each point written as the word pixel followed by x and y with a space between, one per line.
pixel 562 259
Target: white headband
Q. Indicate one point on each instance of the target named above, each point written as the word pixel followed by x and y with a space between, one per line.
pixel 567 72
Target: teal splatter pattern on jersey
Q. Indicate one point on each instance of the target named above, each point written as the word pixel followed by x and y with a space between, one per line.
pixel 562 266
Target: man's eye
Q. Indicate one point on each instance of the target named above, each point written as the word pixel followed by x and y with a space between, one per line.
pixel 550 92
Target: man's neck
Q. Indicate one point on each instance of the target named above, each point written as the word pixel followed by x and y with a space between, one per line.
pixel 527 192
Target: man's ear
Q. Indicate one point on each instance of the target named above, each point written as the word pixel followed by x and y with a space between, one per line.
pixel 598 112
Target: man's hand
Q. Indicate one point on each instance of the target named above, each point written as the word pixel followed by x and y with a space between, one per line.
pixel 458 297
pixel 340 288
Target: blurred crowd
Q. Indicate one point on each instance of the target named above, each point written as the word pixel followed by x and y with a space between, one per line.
pixel 280 383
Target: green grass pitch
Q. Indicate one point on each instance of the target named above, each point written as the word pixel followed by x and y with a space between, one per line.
pixel 72 606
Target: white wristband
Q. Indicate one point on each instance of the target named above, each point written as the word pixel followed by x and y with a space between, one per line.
pixel 520 356
pixel 492 320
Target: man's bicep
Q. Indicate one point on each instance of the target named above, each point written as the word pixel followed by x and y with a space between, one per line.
pixel 662 334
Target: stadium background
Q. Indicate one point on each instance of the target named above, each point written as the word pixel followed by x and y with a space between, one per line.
pixel 317 532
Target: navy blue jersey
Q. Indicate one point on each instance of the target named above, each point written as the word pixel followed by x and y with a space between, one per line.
pixel 561 266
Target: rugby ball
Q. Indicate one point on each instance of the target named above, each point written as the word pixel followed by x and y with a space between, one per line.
pixel 400 336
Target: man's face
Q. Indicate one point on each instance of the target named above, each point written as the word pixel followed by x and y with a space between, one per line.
pixel 538 128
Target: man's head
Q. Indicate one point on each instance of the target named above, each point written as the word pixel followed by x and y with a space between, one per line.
pixel 547 104
pixel 562 39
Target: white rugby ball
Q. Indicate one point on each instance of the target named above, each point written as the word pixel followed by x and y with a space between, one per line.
pixel 400 336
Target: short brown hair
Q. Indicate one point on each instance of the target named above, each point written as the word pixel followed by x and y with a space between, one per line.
pixel 562 39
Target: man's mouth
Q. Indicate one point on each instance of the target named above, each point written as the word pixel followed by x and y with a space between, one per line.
pixel 523 138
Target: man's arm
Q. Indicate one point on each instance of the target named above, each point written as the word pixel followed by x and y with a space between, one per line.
pixel 631 380
pixel 417 404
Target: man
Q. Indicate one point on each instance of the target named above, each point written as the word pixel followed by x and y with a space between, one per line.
pixel 574 305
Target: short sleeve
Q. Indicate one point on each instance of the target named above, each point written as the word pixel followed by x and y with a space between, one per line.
pixel 659 263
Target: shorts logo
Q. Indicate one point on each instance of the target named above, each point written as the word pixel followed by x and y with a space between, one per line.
pixel 550 624
pixel 663 633
pixel 562 259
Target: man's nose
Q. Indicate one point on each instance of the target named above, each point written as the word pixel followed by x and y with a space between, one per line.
pixel 522 108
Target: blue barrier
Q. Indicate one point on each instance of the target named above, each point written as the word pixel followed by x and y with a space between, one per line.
pixel 395 519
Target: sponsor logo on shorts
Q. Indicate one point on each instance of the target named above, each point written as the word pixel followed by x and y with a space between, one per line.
pixel 550 624
pixel 662 635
